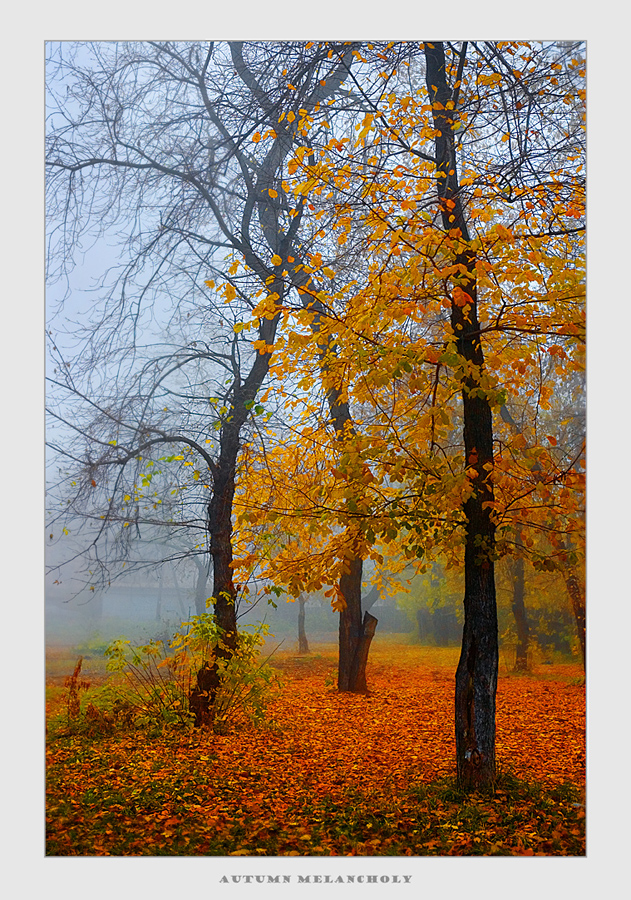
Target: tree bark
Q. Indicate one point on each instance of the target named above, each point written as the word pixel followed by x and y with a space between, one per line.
pixel 303 644
pixel 476 676
pixel 220 536
pixel 350 629
pixel 358 669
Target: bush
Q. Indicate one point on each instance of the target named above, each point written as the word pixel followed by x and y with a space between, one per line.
pixel 160 677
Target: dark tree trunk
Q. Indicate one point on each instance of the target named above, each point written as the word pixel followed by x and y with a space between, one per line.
pixel 519 611
pixel 351 671
pixel 358 669
pixel 219 522
pixel 303 644
pixel 220 536
pixel 350 630
pixel 355 634
pixel 476 676
pixel 577 599
pixel 202 696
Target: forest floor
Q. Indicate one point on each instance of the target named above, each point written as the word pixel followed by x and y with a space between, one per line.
pixel 333 774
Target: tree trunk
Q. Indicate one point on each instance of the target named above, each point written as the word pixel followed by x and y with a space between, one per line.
pixel 350 630
pixel 577 599
pixel 303 645
pixel 358 669
pixel 355 635
pixel 476 676
pixel 350 678
pixel 519 611
pixel 220 536
pixel 220 508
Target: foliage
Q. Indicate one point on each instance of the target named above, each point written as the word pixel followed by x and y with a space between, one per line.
pixel 159 676
pixel 341 774
pixel 376 286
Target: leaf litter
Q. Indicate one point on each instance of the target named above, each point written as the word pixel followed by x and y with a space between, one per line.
pixel 332 774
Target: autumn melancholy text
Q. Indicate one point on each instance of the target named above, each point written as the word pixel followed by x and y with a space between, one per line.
pixel 315 879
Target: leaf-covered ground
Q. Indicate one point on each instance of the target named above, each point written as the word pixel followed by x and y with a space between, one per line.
pixel 336 774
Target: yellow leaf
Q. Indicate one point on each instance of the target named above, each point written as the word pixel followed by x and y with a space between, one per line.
pixel 276 260
pixel 272 193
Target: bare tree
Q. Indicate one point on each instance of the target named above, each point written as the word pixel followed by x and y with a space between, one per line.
pixel 158 147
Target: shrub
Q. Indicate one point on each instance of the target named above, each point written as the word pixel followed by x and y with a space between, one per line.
pixel 160 677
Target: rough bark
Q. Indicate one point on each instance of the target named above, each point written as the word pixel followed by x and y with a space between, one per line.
pixel 350 629
pixel 476 676
pixel 303 644
pixel 202 697
pixel 360 659
pixel 220 536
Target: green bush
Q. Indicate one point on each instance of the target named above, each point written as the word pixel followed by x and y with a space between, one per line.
pixel 159 676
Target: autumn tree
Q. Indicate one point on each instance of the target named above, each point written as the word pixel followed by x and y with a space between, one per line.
pixel 465 183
